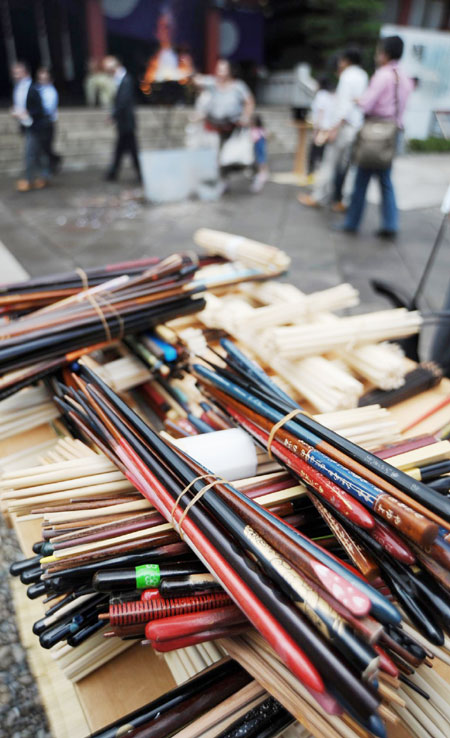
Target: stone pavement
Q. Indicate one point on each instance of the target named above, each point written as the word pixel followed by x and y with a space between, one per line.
pixel 82 221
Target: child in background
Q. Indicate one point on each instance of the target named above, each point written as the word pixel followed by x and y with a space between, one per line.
pixel 322 121
pixel 260 146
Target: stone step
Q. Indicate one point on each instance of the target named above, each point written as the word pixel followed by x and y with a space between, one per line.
pixel 86 139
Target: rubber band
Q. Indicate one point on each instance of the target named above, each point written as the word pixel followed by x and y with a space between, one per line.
pixel 100 314
pixel 194 257
pixel 114 310
pixel 95 304
pixel 186 489
pixel 94 301
pixel 83 276
pixel 279 425
pixel 195 499
pixel 85 282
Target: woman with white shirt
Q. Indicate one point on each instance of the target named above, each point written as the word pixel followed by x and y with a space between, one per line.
pixel 348 120
pixel 228 104
pixel 322 121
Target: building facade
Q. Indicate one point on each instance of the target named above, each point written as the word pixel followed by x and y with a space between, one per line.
pixel 68 35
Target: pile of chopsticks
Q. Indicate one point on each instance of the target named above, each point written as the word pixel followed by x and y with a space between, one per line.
pixel 287 589
pixel 316 615
pixel 43 341
pixel 38 292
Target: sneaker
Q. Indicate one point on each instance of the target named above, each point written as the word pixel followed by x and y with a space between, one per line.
pixel 259 182
pixel 23 185
pixel 387 235
pixel 339 207
pixel 39 184
pixel 308 201
pixel 222 187
pixel 342 228
pixel 56 164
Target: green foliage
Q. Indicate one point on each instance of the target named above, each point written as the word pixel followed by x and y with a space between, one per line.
pixel 331 25
pixel 429 144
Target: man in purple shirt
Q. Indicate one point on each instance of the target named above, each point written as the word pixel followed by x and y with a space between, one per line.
pixel 385 97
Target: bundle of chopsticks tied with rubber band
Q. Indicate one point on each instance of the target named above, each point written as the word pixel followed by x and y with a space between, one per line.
pixel 47 339
pixel 325 575
pixel 58 322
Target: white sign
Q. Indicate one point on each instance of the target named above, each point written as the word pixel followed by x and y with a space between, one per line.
pixel 426 57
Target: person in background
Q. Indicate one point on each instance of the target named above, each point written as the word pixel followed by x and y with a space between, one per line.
pixel 228 105
pixel 347 120
pixel 260 145
pixel 29 111
pixel 322 120
pixel 385 97
pixel 99 88
pixel 230 102
pixel 124 118
pixel 49 96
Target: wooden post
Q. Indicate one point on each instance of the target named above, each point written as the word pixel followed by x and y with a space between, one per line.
pixel 212 27
pixel 300 154
pixel 403 12
pixel 95 27
pixel 298 176
pixel 6 26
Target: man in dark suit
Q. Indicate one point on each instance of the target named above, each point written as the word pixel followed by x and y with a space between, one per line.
pixel 29 111
pixel 123 117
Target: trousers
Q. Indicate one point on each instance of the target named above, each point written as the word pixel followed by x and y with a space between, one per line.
pixel 125 143
pixel 336 158
pixel 36 160
pixel 46 136
pixel 315 156
pixel 389 212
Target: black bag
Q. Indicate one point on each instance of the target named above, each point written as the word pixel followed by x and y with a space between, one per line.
pixel 376 142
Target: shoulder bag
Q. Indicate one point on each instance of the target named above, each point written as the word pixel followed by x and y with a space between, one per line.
pixel 376 142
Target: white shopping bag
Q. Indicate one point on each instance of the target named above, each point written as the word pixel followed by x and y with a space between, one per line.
pixel 238 150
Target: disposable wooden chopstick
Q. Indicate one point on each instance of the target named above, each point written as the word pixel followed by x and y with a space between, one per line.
pixel 421 716
pixel 293 700
pixel 227 722
pixel 30 454
pixel 438 451
pixel 70 468
pixel 391 695
pixel 67 552
pixel 31 502
pixel 67 655
pixel 383 365
pixel 71 475
pixel 113 481
pixel 319 338
pixel 94 660
pixel 86 527
pixel 439 406
pixel 244 249
pixel 428 707
pixel 430 681
pixel 73 516
pixel 235 706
